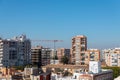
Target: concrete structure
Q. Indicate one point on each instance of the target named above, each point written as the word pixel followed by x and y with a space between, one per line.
pixel 95 67
pixel 52 53
pixel 79 53
pixel 45 56
pixel 42 76
pixel 40 56
pixel 63 52
pixel 104 75
pixel 15 52
pixel 92 55
pixel 112 56
pixel 29 71
pixel 70 68
pixel 79 46
pixel 54 62
pixel 36 56
pixel 95 73
pixel 82 73
pixel 10 74
pixel 33 74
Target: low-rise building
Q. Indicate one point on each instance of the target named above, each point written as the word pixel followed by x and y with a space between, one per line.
pixel 95 73
pixel 34 73
pixel 103 75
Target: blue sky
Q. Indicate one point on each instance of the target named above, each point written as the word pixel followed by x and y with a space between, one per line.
pixel 99 20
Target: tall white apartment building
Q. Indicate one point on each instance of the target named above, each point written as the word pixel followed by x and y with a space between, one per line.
pixel 15 52
pixel 112 56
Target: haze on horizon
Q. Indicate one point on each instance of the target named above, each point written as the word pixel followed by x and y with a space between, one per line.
pixel 99 20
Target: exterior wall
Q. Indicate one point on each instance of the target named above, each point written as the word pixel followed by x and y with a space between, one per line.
pixel 79 46
pixel 79 53
pixel 92 55
pixel 40 56
pixel 95 67
pixel 106 75
pixel 85 77
pixel 63 52
pixel 60 53
pixel 43 76
pixel 29 71
pixel 36 56
pixel 118 59
pixel 52 53
pixel 15 52
pixel 45 56
pixel 112 57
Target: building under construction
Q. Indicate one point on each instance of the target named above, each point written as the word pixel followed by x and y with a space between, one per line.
pixel 40 56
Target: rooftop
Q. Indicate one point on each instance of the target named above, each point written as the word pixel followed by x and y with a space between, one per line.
pixel 65 66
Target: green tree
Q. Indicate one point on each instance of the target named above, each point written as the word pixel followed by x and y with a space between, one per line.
pixel 64 60
pixel 55 57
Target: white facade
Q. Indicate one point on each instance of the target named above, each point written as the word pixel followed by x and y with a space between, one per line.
pixel 15 52
pixel 94 67
pixel 54 61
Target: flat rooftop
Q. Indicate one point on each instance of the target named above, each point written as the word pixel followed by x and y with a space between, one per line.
pixel 66 66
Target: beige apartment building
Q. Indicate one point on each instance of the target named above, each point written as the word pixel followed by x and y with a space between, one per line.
pixel 79 53
pixel 92 55
pixel 63 52
pixel 112 56
pixel 79 46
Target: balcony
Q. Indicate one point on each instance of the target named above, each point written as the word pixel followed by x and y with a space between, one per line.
pixel 83 59
pixel 82 54
pixel 82 45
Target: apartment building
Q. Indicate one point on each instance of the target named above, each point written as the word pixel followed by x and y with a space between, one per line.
pixel 63 52
pixel 40 56
pixel 92 55
pixel 15 52
pixel 79 46
pixel 45 56
pixel 36 56
pixel 112 56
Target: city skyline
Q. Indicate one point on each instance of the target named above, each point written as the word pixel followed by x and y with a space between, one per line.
pixel 62 20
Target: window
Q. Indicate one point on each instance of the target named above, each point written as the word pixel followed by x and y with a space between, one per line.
pixel 77 40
